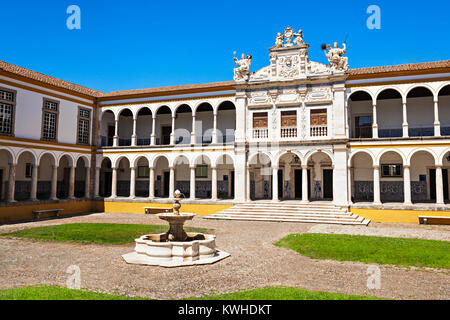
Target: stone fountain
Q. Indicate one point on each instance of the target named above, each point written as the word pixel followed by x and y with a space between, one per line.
pixel 175 248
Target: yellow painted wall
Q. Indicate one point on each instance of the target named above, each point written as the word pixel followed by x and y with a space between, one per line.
pixel 397 216
pixel 133 207
pixel 19 212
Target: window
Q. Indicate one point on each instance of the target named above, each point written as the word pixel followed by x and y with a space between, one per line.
pixel 201 171
pixel 392 170
pixel 7 105
pixel 28 170
pixel 143 172
pixel 84 120
pixel 319 123
pixel 260 120
pixel 363 127
pixel 50 120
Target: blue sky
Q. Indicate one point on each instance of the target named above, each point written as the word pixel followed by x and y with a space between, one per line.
pixel 142 44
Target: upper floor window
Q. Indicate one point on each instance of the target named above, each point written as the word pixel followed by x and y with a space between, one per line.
pixel 50 113
pixel 289 124
pixel 7 106
pixel 84 121
pixel 260 125
pixel 319 123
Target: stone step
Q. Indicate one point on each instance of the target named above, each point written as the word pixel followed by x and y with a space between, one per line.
pixel 285 213
pixel 275 210
pixel 282 216
pixel 364 222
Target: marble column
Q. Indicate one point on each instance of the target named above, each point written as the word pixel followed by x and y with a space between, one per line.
pixel 54 187
pixel 114 183
pixel 97 182
pixel 151 187
pixel 192 184
pixel 34 183
pixel 133 183
pixel 214 133
pixel 193 134
pixel 11 183
pixel 407 184
pixel 116 133
pixel 376 185
pixel 153 135
pixel 439 186
pixel 172 183
pixel 247 189
pixel 374 122
pixel 437 123
pixel 213 183
pixel 172 134
pixel 305 184
pixel 349 184
pixel 405 121
pixel 275 184
pixel 134 135
pixel 72 183
pixel 87 184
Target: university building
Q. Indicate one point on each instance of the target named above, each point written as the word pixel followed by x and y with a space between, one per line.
pixel 375 140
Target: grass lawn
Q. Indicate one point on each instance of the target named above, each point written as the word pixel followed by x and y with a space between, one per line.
pixel 57 293
pixel 368 249
pixel 105 233
pixel 282 293
pixel 276 293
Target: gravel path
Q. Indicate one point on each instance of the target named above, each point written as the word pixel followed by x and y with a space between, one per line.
pixel 255 262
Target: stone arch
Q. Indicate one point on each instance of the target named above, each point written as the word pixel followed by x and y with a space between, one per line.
pixel 313 152
pixel 180 159
pixel 385 151
pixel 415 151
pixel 30 151
pixel 434 93
pixel 201 157
pixel 280 154
pixel 136 159
pixel 370 93
pixel 219 159
pixel 381 90
pixel 87 161
pixel 120 158
pixel 156 158
pixel 369 153
pixel 70 158
pixel 252 156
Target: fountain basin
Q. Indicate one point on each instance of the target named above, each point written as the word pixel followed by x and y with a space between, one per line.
pixel 155 250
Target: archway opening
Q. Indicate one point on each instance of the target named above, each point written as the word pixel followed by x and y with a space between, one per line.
pixel 423 178
pixel 144 124
pixel 203 178
pixel 162 177
pixel 290 177
pixel 105 186
pixel 226 122
pixel 225 177
pixel 6 159
pixel 123 178
pixel 444 110
pixel 390 114
pixel 204 123
pixel 107 129
pixel 183 124
pixel 391 177
pixel 125 127
pixel 360 115
pixel 163 125
pixel 420 106
pixel 361 171
pixel 321 180
pixel 182 175
pixel 260 169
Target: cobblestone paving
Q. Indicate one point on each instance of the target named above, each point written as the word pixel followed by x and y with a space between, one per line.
pixel 254 263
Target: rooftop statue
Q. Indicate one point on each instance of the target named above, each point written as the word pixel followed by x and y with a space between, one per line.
pixel 335 56
pixel 243 67
pixel 298 38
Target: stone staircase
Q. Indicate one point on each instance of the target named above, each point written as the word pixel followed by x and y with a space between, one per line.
pixel 314 212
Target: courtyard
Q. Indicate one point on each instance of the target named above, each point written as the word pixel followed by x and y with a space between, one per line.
pixel 255 262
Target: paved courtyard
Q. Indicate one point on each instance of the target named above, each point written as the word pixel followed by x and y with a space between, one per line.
pixel 255 262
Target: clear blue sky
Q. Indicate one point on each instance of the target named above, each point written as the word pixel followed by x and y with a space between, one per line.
pixel 142 44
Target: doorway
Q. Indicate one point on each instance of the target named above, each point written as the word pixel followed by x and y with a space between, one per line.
pixel 328 184
pixel 298 174
pixel 166 184
pixel 107 185
pixel 280 184
pixel 165 132
pixel 111 133
pixel 433 184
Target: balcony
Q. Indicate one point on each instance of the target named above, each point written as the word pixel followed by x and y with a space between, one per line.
pixel 319 131
pixel 288 132
pixel 260 133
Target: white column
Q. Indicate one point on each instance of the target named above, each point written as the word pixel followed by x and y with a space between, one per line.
pixel 193 134
pixel 72 183
pixel 87 184
pixel 439 186
pixel 97 183
pixel 213 183
pixel 172 134
pixel 349 184
pixel 437 124
pixel 407 184
pixel 116 133
pixel 376 185
pixel 153 135
pixel 54 187
pixel 133 183
pixel 34 182
pixel 172 183
pixel 134 135
pixel 151 187
pixel 305 184
pixel 248 193
pixel 114 183
pixel 11 183
pixel 374 122
pixel 275 184
pixel 405 121
pixel 192 184
pixel 214 134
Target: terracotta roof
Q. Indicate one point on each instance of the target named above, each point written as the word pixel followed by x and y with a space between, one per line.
pixel 36 76
pixel 401 68
pixel 173 89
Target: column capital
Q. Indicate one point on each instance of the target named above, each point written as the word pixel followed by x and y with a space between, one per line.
pixel 55 167
pixel 275 168
pixel 305 167
pixel 406 166
pixel 438 166
pixel 376 166
pixel 133 168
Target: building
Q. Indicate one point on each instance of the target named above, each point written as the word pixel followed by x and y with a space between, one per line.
pixel 370 138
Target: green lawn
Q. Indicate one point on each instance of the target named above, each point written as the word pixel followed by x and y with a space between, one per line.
pixel 105 233
pixel 368 249
pixel 57 293
pixel 282 293
pixel 276 293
